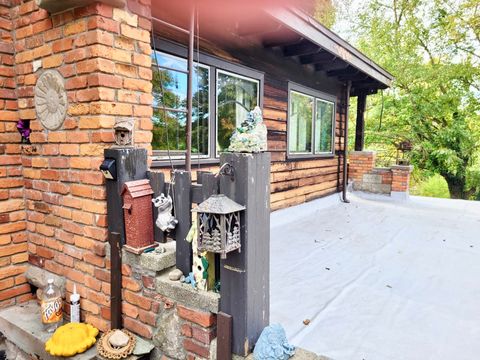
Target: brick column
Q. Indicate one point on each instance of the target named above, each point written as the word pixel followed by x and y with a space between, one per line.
pixel 360 163
pixel 401 181
pixel 104 55
pixel 13 240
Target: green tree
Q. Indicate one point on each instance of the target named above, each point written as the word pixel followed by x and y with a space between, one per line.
pixel 433 50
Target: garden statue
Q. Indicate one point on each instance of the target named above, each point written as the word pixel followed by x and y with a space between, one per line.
pixel 273 345
pixel 124 131
pixel 251 136
pixel 165 220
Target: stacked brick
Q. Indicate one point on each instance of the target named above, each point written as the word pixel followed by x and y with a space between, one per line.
pixel 401 178
pixel 104 55
pixel 198 329
pixel 13 240
pixel 360 163
pixel 392 180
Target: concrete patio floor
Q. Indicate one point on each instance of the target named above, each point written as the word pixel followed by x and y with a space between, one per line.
pixel 378 279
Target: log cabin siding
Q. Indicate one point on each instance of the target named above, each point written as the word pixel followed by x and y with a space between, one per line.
pixel 293 181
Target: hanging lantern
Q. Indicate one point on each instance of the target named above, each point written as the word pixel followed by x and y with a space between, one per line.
pixel 218 221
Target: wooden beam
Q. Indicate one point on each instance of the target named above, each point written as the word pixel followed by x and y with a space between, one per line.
pixel 345 71
pixel 280 41
pixel 304 47
pixel 257 26
pixel 336 64
pixel 322 57
pixel 360 125
pixel 354 77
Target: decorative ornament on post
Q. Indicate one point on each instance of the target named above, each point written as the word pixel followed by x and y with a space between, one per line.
pixel 218 222
pixel 124 131
pixel 403 147
pixel 251 136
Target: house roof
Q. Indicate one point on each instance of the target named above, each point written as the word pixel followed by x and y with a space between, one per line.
pixel 278 26
pixel 318 46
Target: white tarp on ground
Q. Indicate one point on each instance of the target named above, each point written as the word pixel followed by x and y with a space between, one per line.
pixel 379 279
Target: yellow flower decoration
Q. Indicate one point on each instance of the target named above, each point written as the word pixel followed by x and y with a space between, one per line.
pixel 71 339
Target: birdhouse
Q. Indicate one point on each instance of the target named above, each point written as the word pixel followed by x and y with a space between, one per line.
pixel 138 216
pixel 123 134
pixel 218 222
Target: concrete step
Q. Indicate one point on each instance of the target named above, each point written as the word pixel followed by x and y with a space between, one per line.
pixel 22 326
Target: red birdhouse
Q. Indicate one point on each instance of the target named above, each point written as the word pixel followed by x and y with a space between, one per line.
pixel 138 216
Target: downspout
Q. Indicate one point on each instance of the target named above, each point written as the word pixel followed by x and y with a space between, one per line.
pixel 345 144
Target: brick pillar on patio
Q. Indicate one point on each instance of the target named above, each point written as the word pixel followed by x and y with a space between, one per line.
pixel 13 240
pixel 401 180
pixel 360 163
pixel 104 55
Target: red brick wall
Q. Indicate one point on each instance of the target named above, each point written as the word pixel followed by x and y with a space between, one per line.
pixel 13 240
pixel 363 162
pixel 360 163
pixel 104 56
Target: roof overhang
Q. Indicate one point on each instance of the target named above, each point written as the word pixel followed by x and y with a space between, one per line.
pixel 315 45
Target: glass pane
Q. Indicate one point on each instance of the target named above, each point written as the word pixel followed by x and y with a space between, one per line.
pixel 169 61
pixel 170 91
pixel 300 123
pixel 323 126
pixel 169 131
pixel 174 85
pixel 236 96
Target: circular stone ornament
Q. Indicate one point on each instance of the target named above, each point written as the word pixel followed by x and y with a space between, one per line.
pixel 51 100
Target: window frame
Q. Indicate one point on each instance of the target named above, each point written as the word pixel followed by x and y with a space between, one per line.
pixel 214 64
pixel 316 95
pixel 238 76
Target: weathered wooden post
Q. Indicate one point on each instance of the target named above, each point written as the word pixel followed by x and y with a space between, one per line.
pixel 129 164
pixel 244 275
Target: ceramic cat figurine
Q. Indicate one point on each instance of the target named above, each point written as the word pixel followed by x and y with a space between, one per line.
pixel 165 220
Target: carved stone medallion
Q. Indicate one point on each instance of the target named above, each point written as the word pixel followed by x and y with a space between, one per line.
pixel 51 100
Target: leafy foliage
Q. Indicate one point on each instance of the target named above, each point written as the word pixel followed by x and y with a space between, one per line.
pixel 433 50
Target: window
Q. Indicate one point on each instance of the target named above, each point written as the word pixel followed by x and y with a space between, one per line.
pixel 311 122
pixel 170 106
pixel 236 96
pixel 232 89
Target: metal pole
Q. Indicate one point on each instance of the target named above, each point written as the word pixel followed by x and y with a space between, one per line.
pixel 188 135
pixel 345 144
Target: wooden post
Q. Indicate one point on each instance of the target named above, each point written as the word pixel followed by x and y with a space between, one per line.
pixel 360 126
pixel 157 182
pixel 182 198
pixel 131 164
pixel 115 280
pixel 345 144
pixel 224 338
pixel 244 291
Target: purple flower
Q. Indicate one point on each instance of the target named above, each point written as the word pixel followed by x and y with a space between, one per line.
pixel 23 127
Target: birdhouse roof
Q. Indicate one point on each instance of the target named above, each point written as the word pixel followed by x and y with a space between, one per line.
pixel 138 188
pixel 218 204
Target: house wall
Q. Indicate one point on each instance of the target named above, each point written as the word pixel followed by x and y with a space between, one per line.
pixel 52 196
pixel 13 239
pixel 293 181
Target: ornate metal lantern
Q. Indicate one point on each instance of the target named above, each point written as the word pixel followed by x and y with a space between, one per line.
pixel 218 221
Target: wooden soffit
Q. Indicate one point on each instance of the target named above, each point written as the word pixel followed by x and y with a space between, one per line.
pixel 56 6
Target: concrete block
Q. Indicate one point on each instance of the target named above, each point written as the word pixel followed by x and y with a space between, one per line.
pixel 372 178
pixel 186 295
